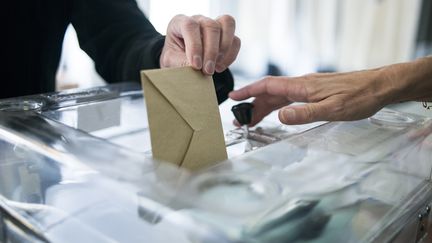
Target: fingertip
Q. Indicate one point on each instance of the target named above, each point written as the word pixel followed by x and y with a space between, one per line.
pixel 288 116
pixel 220 68
pixel 230 94
pixel 234 95
pixel 209 68
pixel 197 62
pixel 236 123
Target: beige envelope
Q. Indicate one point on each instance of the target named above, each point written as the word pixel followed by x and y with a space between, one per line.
pixel 184 119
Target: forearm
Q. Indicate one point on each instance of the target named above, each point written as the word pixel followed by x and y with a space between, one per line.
pixel 411 81
pixel 118 37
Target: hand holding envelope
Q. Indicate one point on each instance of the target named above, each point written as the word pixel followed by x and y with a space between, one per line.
pixel 184 119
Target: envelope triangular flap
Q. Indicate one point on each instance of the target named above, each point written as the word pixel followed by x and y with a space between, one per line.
pixel 191 93
pixel 164 134
pixel 204 150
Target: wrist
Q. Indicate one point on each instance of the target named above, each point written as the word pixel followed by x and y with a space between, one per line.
pixel 392 85
pixel 408 81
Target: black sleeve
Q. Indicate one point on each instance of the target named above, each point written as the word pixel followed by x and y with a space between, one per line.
pixel 118 37
pixel 122 41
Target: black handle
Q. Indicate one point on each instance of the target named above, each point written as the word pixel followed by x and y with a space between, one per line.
pixel 243 113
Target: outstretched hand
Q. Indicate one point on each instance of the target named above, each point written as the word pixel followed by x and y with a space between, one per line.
pixel 327 96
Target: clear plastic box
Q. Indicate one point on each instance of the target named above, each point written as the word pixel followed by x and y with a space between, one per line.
pixel 76 166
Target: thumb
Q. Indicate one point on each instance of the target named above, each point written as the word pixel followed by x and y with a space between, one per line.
pixel 301 114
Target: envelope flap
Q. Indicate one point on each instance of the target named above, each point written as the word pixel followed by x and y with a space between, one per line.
pixel 191 93
pixel 170 134
pixel 200 154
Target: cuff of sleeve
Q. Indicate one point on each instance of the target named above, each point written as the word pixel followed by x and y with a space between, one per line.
pixel 224 83
pixel 157 50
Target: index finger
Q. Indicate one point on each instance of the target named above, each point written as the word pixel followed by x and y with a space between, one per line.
pixel 293 89
pixel 189 30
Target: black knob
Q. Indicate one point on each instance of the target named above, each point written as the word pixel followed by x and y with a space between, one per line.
pixel 243 113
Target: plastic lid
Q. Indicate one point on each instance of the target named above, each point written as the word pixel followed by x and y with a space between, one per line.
pixel 20 105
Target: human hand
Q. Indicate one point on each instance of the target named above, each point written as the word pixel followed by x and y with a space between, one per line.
pixel 328 96
pixel 205 44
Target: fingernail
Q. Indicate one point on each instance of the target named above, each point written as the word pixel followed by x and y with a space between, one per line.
pixel 289 114
pixel 210 66
pixel 220 68
pixel 197 62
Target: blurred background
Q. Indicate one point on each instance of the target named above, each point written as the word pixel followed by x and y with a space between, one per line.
pixel 290 37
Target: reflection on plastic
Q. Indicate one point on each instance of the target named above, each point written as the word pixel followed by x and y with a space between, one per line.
pixel 392 119
pixel 235 194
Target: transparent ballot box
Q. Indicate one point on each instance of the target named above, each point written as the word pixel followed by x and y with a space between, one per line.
pixel 76 166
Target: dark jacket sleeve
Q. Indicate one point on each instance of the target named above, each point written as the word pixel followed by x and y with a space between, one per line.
pixel 122 41
pixel 118 37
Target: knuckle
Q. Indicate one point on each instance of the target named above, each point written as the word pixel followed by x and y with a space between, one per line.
pixel 266 80
pixel 337 110
pixel 190 24
pixel 211 25
pixel 307 92
pixel 228 21
pixel 310 77
pixel 197 16
pixel 177 20
pixel 308 88
pixel 178 16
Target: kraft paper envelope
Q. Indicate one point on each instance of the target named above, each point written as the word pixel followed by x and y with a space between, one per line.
pixel 184 119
